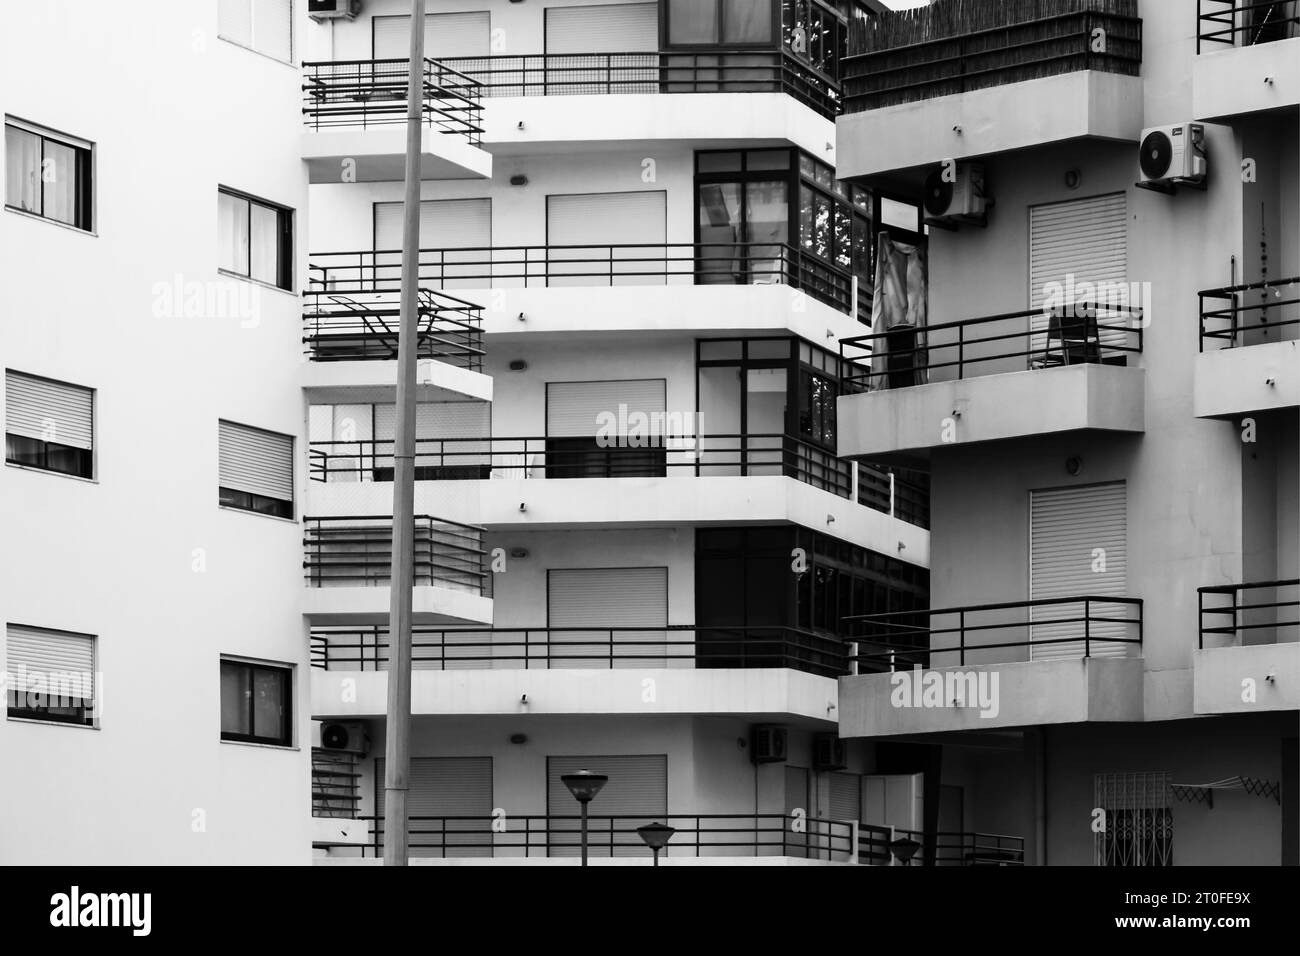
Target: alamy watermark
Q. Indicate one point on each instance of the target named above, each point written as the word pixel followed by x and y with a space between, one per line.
pixel 950 688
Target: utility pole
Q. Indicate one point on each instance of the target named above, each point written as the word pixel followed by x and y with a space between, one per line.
pixel 397 745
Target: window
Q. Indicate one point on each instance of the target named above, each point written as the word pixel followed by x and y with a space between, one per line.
pixel 815 33
pixel 51 675
pixel 1139 819
pixel 47 174
pixel 256 239
pixel 256 470
pixel 817 395
pixel 262 25
pixel 49 425
pixel 256 703
pixel 725 22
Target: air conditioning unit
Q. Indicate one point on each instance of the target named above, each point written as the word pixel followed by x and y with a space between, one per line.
pixel 344 736
pixel 322 10
pixel 956 197
pixel 1173 156
pixel 769 743
pixel 828 752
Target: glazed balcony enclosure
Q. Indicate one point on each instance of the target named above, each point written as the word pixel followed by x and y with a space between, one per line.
pixel 954 81
pixel 1014 664
pixel 1248 656
pixel 355 115
pixel 1248 57
pixel 1250 349
pixel 909 390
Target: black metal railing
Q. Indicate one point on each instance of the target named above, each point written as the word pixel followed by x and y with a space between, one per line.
pixel 1251 314
pixel 614 835
pixel 1001 54
pixel 1076 626
pixel 873 845
pixel 368 93
pixel 358 552
pixel 335 778
pixel 1012 341
pixel 967 848
pixel 1232 23
pixel 680 263
pixel 341 326
pixel 901 493
pixel 1267 612
pixel 701 646
pixel 728 70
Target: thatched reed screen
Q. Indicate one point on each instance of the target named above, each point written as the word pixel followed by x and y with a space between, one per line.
pixel 954 46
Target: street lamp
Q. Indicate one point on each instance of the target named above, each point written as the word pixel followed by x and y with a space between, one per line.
pixel 656 837
pixel 584 785
pixel 904 848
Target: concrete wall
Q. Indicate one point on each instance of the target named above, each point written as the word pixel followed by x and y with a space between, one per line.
pixel 143 557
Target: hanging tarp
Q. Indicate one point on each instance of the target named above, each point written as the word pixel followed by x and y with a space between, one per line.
pixel 899 311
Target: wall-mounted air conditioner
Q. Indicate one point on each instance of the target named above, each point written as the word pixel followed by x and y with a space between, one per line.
pixel 1173 156
pixel 769 743
pixel 344 736
pixel 322 10
pixel 954 194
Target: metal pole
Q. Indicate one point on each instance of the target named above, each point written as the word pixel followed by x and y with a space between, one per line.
pixel 397 762
pixel 584 832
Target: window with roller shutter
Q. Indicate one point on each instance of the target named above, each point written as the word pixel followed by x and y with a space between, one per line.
pixel 461 229
pixel 453 441
pixel 446 35
pixel 622 612
pixel 51 675
pixel 637 793
pixel 256 470
pixel 606 238
pixel 265 26
pixel 449 805
pixel 593 429
pixel 49 425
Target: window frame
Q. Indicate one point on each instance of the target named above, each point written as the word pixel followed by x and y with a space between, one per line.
pixel 288 673
pixel 42 715
pixel 87 458
pixel 83 171
pixel 236 499
pixel 284 240
pixel 774 41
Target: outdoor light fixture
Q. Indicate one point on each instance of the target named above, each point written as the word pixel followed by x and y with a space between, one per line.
pixel 523 506
pixel 518 365
pixel 957 130
pixel 1073 178
pixel 1074 465
pixel 519 738
pixel 519 180
pixel 904 848
pixel 656 837
pixel 519 553
pixel 584 785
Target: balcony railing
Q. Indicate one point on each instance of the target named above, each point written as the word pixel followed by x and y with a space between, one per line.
pixel 697 71
pixel 552 648
pixel 343 326
pixel 1228 23
pixel 365 93
pixel 904 495
pixel 334 784
pixel 965 849
pixel 502 267
pixel 923 54
pixel 1045 629
pixel 1233 615
pixel 1011 342
pixel 614 835
pixel 358 552
pixel 1251 314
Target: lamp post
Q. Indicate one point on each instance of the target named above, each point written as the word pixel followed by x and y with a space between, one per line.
pixel 656 837
pixel 584 785
pixel 904 848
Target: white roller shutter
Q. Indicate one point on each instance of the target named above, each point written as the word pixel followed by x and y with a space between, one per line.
pixel 444 224
pixel 638 787
pixel 845 795
pixel 574 409
pixel 49 411
pixel 255 461
pixel 608 28
pixel 604 598
pixel 1071 532
pixel 593 223
pixel 1083 238
pixel 65 662
pixel 445 35
pixel 470 422
pixel 446 787
pixel 263 25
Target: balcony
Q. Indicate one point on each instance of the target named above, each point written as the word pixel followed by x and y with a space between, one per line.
pixel 355 111
pixel 348 563
pixel 959 81
pixel 1015 375
pixel 586 267
pixel 983 667
pixel 1250 356
pixel 1248 57
pixel 1248 656
pixel 700 839
pixel 950 848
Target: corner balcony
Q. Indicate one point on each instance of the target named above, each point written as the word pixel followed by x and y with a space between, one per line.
pixel 1250 353
pixel 348 563
pixel 355 114
pixel 951 848
pixel 350 337
pixel 1248 658
pixel 711 97
pixel 998 377
pixel 740 838
pixel 1247 57
pixel 696 287
pixel 565 483
pixel 775 671
pixel 983 667
pixel 927 88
